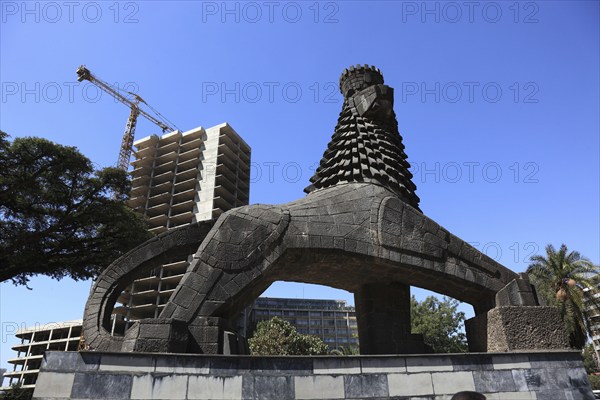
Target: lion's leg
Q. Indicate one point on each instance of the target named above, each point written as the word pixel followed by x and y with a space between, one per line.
pixel 226 275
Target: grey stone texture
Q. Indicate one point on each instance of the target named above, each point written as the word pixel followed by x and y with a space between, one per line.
pixel 519 292
pixel 516 328
pixel 366 145
pixel 383 310
pixel 358 229
pixel 509 376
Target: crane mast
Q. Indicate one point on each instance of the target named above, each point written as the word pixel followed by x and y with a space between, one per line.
pixel 127 141
pixel 134 104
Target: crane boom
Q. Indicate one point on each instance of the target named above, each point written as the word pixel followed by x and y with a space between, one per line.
pixel 134 104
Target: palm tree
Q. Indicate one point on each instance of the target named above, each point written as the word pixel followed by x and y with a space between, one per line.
pixel 560 278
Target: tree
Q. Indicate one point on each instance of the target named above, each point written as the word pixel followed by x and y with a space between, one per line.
pixel 440 324
pixel 58 215
pixel 560 278
pixel 16 392
pixel 589 359
pixel 279 337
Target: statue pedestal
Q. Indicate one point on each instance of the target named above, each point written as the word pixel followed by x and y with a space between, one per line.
pixel 383 316
pixel 516 328
pixel 205 335
pixel 99 375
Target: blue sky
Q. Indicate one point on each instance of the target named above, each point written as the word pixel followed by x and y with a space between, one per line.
pixel 498 104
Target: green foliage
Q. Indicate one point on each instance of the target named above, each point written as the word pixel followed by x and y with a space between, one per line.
pixel 589 360
pixel 16 392
pixel 440 324
pixel 58 215
pixel 279 337
pixel 550 274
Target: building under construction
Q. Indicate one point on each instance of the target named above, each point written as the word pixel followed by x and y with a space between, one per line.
pixel 181 178
pixel 177 179
pixel 34 341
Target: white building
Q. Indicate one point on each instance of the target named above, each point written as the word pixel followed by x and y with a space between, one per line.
pixel 34 342
pixel 591 301
pixel 180 178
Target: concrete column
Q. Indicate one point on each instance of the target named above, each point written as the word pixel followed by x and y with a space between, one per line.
pixel 383 316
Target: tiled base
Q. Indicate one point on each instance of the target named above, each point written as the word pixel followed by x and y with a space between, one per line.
pixel 500 376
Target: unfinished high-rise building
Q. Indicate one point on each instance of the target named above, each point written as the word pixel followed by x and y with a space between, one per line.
pixel 34 341
pixel 177 179
pixel 192 176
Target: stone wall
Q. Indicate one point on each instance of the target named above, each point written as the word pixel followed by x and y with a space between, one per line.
pixel 510 376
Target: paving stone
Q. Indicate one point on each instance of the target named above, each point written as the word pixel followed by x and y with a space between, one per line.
pixel 101 386
pixel 512 361
pixel 182 365
pixel 365 386
pixel 472 362
pixel 282 366
pixel 578 378
pixel 410 384
pixel 159 387
pixel 214 387
pixel 128 363
pixel 273 388
pixel 521 377
pixel 494 381
pixel 382 365
pixel 70 361
pixel 52 384
pixel 511 396
pixel 555 395
pixel 230 365
pixel 450 383
pixel 428 364
pixel 555 378
pixel 335 366
pixel 569 358
pixel 319 387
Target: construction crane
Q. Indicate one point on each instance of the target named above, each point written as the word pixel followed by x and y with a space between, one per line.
pixel 133 102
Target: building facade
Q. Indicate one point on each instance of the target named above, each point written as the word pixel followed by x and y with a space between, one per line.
pixel 591 302
pixel 331 320
pixel 177 179
pixel 185 177
pixel 34 342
